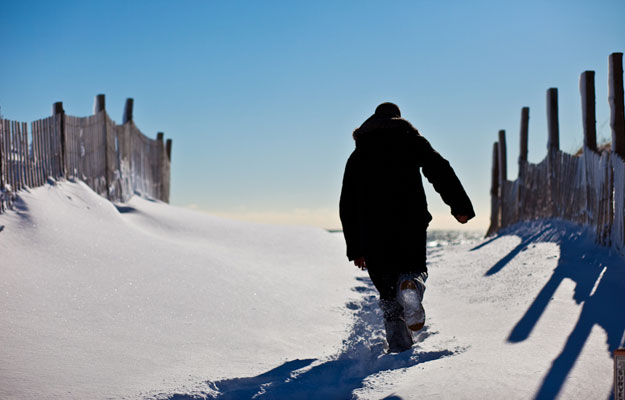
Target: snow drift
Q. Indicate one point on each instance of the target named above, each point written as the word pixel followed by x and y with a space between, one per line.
pixel 146 300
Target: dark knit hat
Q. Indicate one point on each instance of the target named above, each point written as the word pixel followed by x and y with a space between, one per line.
pixel 388 110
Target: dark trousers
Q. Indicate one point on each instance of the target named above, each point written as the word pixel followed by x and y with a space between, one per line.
pixel 385 268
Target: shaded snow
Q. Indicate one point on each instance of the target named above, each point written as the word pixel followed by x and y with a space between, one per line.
pixel 146 300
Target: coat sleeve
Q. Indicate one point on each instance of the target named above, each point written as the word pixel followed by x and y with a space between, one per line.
pixel 349 211
pixel 441 175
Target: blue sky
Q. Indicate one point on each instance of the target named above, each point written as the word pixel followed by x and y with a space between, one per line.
pixel 260 97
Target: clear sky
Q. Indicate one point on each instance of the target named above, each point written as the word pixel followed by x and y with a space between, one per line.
pixel 260 97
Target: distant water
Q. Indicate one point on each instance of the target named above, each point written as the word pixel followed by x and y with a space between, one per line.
pixel 443 237
pixel 440 238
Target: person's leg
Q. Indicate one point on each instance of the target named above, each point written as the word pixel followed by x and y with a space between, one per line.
pixel 385 280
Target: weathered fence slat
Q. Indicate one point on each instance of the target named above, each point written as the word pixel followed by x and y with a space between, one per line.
pixel 618 226
pixel 2 166
pixel 615 98
pixel 588 188
pixel 116 161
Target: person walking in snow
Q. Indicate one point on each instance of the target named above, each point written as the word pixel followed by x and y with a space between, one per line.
pixel 384 214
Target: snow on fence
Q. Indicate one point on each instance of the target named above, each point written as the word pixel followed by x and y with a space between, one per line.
pixel 587 189
pixel 116 161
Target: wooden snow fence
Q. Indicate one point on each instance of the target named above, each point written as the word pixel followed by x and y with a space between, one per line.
pixel 116 161
pixel 588 189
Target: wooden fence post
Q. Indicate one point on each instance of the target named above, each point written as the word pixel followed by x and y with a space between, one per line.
pixel 160 165
pixel 100 103
pixel 167 172
pixel 523 134
pixel 26 156
pixel 494 192
pixel 615 97
pixel 503 171
pixel 2 172
pixel 128 110
pixel 553 146
pixel 503 176
pixel 525 117
pixel 100 106
pixel 553 143
pixel 57 110
pixel 587 91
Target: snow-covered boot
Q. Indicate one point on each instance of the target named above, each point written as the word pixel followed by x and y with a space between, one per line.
pixel 410 296
pixel 398 336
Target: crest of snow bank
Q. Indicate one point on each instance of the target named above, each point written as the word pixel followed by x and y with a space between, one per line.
pixel 102 301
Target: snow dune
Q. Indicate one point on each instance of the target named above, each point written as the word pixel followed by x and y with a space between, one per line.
pixel 146 300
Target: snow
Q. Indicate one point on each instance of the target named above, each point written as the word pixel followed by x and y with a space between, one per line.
pixel 146 300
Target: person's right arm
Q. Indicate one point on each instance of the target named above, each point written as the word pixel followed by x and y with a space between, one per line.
pixel 441 175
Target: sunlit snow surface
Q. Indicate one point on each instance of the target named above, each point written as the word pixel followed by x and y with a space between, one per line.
pixel 146 300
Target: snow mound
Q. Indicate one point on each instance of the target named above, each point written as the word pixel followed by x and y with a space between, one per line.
pixel 100 301
pixel 148 301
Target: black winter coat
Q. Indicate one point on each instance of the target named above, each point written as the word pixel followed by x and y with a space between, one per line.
pixel 383 207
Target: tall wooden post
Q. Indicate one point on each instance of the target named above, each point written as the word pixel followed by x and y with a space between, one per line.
pixel 494 193
pixel 503 171
pixel 553 146
pixel 553 143
pixel 160 165
pixel 525 118
pixel 587 91
pixel 128 110
pixel 59 112
pixel 615 97
pixel 167 172
pixel 503 176
pixel 523 144
pixel 100 106
pixel 168 148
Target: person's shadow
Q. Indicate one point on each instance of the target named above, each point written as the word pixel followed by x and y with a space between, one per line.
pixel 599 278
pixel 362 355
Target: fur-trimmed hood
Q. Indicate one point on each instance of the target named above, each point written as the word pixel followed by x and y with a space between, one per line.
pixel 375 125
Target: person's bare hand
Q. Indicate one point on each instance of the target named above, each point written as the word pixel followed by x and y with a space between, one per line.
pixel 462 218
pixel 360 263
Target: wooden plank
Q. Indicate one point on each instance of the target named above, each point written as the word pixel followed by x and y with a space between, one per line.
pixel 2 162
pixel 10 163
pixel 2 167
pixel 53 147
pixel 615 98
pixel 47 147
pixel 7 151
pixel 16 156
pixel 26 151
pixel 587 92
pixel 69 147
pixel 42 155
pixel 58 155
pixel 40 161
pixel 33 131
